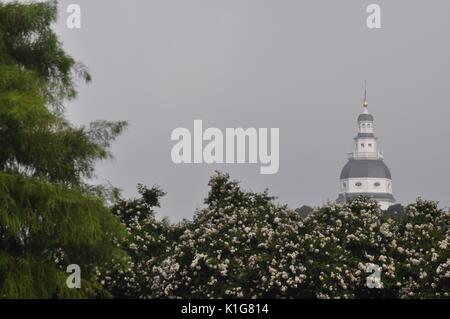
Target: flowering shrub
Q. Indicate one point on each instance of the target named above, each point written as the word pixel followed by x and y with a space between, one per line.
pixel 422 251
pixel 243 245
pixel 338 243
pixel 147 237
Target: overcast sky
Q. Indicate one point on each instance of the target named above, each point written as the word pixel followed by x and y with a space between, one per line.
pixel 294 65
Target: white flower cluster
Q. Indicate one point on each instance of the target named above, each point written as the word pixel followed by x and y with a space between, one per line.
pixel 130 276
pixel 242 245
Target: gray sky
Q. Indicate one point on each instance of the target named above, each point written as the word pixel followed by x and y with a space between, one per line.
pixel 295 65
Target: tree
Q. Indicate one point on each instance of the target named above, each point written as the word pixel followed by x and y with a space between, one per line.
pixel 49 216
pixel 242 245
pixel 395 211
pixel 339 242
pixel 422 251
pixel 304 211
pixel 147 240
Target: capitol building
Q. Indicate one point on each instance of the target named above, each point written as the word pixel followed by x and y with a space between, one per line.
pixel 365 173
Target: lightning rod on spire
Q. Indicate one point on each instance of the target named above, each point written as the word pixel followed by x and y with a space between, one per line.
pixel 366 104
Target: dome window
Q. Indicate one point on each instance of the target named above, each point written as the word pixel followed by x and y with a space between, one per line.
pixel 358 184
pixel 377 184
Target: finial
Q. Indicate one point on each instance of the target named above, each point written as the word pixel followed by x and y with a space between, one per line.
pixel 365 104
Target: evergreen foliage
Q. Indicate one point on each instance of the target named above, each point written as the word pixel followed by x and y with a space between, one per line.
pixel 49 217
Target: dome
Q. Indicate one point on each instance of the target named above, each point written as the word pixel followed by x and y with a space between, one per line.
pixel 365 117
pixel 365 168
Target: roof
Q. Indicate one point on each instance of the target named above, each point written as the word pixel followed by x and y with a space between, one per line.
pixel 364 135
pixel 365 168
pixel 365 117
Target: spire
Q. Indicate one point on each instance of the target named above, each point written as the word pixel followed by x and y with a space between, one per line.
pixel 365 103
